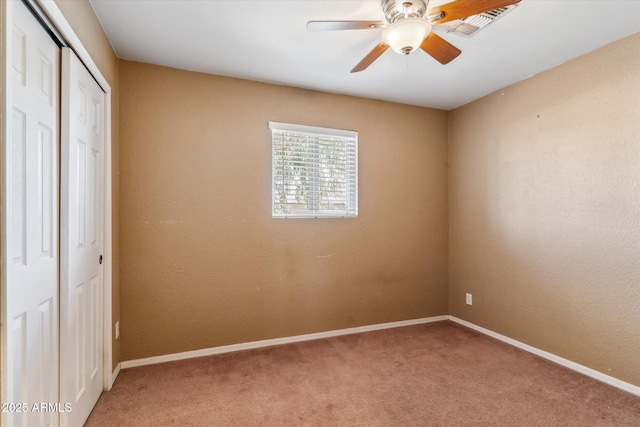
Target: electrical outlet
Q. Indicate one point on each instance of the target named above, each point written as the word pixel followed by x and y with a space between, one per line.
pixel 117 329
pixel 469 299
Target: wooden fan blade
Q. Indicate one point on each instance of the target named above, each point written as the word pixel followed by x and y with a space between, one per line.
pixel 343 25
pixel 443 51
pixel 464 8
pixel 372 56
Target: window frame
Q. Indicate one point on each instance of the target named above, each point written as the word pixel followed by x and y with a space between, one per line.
pixel 351 210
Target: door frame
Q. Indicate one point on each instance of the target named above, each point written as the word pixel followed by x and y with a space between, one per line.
pixel 57 23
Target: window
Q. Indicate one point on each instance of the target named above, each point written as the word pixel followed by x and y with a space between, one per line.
pixel 315 171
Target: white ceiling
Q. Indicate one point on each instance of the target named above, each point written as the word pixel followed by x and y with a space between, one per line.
pixel 267 41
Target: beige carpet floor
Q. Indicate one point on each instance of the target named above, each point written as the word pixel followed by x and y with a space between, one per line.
pixel 438 374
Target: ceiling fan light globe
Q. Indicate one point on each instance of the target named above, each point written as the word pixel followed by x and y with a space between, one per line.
pixel 406 35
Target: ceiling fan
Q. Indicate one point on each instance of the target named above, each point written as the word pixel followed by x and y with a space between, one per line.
pixel 408 27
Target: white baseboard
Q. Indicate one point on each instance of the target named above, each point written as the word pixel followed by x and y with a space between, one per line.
pixel 633 389
pixel 275 341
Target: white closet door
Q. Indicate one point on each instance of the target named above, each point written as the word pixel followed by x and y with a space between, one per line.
pixel 31 258
pixel 81 240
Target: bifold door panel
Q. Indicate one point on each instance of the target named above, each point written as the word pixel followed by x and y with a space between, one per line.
pixel 81 240
pixel 31 258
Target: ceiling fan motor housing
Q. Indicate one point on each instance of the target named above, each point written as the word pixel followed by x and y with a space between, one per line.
pixel 395 10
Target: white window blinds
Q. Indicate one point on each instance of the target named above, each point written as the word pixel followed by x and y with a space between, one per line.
pixel 314 171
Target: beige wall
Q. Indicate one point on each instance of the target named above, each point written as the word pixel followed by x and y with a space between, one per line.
pixel 544 190
pixel 84 22
pixel 203 263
